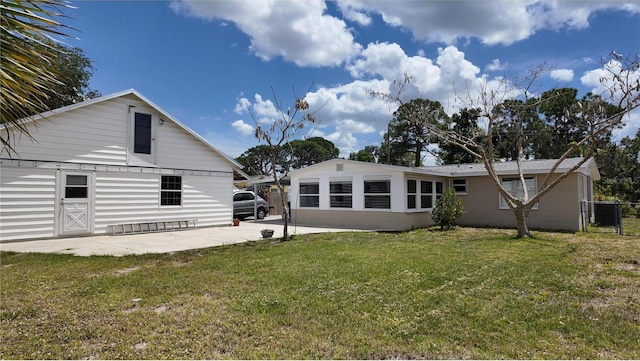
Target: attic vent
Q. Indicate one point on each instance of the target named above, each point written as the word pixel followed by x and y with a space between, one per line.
pixel 339 167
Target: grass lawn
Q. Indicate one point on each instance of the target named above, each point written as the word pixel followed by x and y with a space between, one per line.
pixel 467 293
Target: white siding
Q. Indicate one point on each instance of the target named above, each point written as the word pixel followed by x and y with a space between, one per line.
pixel 179 149
pixel 99 134
pixel 96 137
pixel 27 203
pixel 133 198
pixel 93 134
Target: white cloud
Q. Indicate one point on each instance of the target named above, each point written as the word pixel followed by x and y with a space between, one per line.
pixel 630 127
pixel 242 106
pixel 298 31
pixel 351 112
pixel 562 74
pixel 602 82
pixel 243 128
pixel 345 141
pixel 502 22
pixel 495 65
pixel 264 111
pixel 354 15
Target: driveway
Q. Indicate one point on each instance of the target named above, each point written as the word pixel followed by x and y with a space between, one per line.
pixel 162 242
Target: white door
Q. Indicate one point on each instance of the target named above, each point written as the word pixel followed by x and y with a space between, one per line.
pixel 76 203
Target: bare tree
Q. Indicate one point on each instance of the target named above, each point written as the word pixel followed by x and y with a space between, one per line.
pixel 599 114
pixel 281 129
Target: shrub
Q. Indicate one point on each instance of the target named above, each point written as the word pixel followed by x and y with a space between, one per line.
pixel 448 208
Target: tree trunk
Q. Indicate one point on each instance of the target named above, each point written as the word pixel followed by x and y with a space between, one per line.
pixel 521 222
pixel 285 211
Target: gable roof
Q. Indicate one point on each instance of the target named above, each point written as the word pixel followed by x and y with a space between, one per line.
pixel 538 166
pixel 237 166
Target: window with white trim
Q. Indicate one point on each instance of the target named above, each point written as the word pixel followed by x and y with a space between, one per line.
pixel 171 190
pixel 377 194
pixel 422 194
pixel 513 186
pixel 309 195
pixel 340 194
pixel 412 193
pixel 459 185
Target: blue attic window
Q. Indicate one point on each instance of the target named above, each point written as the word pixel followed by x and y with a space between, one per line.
pixel 142 134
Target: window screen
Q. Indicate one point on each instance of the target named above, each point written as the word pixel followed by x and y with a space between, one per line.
pixel 377 194
pixel 340 194
pixel 310 195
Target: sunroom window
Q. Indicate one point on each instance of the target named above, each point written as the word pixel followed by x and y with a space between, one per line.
pixel 377 194
pixel 340 194
pixel 310 194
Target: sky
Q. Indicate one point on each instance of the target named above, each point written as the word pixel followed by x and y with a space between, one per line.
pixel 207 63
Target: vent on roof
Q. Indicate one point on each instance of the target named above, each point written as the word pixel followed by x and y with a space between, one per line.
pixel 339 167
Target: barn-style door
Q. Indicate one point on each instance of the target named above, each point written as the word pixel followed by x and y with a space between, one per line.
pixel 76 203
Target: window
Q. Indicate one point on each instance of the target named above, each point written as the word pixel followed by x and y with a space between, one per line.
pixel 340 194
pixel 426 194
pixel 514 187
pixel 243 196
pixel 459 185
pixel 142 133
pixel 76 187
pixel 422 194
pixel 171 190
pixel 310 195
pixel 377 194
pixel 412 192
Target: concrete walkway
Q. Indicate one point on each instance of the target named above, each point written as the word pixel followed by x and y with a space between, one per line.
pixel 162 242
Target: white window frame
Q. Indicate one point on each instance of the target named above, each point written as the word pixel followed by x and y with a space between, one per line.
pixel 388 194
pixel 415 194
pixel 170 190
pixel 434 193
pixel 302 195
pixel 465 185
pixel 532 189
pixel 141 159
pixel 340 194
pixel 419 194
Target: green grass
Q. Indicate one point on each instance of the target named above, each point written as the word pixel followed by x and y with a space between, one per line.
pixel 468 293
pixel 630 227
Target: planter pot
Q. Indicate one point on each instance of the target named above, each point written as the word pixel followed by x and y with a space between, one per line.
pixel 236 222
pixel 267 233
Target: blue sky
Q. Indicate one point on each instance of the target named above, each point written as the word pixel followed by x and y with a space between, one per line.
pixel 205 62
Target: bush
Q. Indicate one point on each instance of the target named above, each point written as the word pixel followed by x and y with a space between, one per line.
pixel 448 208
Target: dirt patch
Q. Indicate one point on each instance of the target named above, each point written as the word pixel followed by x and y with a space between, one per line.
pixel 161 309
pixel 125 271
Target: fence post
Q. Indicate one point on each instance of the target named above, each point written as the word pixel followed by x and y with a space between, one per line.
pixel 618 215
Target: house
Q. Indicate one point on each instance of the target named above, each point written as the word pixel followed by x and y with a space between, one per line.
pixel 108 162
pixel 355 194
